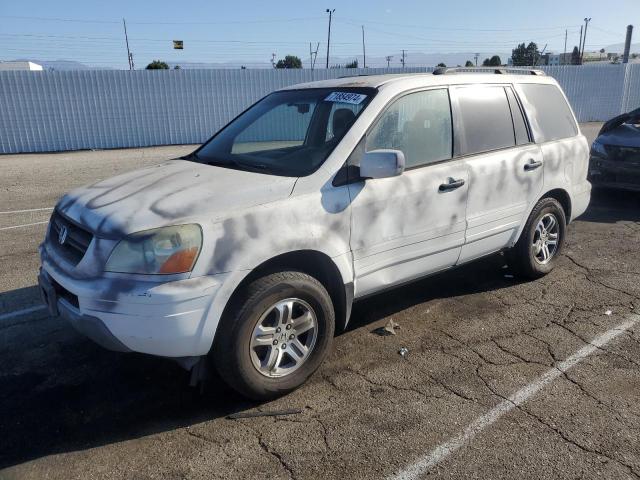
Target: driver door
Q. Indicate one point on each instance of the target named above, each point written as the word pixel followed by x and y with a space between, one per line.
pixel 414 224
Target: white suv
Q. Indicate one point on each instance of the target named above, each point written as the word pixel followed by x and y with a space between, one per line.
pixel 251 250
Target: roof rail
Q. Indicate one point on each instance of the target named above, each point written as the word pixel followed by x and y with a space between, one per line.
pixel 497 71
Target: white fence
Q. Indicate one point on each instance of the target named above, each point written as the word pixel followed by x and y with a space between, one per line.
pixel 95 109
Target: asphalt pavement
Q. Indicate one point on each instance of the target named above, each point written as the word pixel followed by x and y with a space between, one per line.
pixel 501 379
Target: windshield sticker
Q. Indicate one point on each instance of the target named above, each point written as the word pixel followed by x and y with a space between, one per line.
pixel 346 97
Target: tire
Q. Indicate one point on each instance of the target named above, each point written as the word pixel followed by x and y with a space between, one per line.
pixel 244 364
pixel 525 258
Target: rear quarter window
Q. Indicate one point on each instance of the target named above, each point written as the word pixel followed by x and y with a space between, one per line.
pixel 549 113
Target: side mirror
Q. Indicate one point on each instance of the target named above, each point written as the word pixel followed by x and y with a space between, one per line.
pixel 382 164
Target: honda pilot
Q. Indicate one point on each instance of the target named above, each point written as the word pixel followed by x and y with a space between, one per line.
pixel 250 251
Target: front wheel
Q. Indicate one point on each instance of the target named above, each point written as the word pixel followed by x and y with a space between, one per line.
pixel 536 252
pixel 277 335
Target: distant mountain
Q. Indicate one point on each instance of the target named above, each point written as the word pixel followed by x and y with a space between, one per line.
pixel 619 48
pixel 61 64
pixel 412 59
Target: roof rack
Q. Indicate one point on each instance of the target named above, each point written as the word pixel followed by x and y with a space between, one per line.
pixel 497 71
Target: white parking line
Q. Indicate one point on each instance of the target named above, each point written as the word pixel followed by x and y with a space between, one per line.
pixel 444 450
pixel 24 311
pixel 26 211
pixel 25 225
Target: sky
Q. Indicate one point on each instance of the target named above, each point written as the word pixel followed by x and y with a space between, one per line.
pixel 249 32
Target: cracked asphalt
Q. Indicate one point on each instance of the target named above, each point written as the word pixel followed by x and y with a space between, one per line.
pixel 475 335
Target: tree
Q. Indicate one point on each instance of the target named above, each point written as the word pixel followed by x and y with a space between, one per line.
pixel 353 64
pixel 495 61
pixel 523 56
pixel 486 62
pixel 177 67
pixel 575 56
pixel 158 65
pixel 441 65
pixel 290 61
pixel 468 63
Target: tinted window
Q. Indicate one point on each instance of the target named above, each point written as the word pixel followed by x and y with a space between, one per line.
pixel 419 124
pixel 549 112
pixel 519 124
pixel 485 119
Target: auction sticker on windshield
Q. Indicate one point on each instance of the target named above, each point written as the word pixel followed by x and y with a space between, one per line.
pixel 346 97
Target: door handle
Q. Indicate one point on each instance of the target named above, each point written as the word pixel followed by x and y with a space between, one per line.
pixel 532 165
pixel 451 184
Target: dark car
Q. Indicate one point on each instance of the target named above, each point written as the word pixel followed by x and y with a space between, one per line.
pixel 615 153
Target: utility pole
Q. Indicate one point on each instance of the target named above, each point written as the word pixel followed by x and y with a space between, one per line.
pixel 579 47
pixel 364 52
pixel 126 39
pixel 476 57
pixel 389 58
pixel 584 39
pixel 403 57
pixel 313 55
pixel 627 44
pixel 330 12
pixel 273 60
pixel 564 55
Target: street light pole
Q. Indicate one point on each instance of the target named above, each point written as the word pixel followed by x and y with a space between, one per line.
pixel 330 12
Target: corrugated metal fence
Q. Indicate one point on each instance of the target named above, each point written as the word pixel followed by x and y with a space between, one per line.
pixel 53 111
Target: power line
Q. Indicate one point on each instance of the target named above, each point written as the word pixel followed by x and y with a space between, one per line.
pixel 90 20
pixel 427 27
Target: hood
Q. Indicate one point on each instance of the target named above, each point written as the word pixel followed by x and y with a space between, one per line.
pixel 169 193
pixel 625 135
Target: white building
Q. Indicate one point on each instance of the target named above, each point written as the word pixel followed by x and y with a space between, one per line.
pixel 20 66
pixel 554 59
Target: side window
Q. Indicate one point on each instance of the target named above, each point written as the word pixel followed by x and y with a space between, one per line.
pixel 549 112
pixel 519 125
pixel 419 124
pixel 485 119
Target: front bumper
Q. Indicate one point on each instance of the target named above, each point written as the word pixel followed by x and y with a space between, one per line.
pixel 164 319
pixel 91 327
pixel 621 175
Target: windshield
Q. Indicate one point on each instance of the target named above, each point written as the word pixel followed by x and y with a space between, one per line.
pixel 289 133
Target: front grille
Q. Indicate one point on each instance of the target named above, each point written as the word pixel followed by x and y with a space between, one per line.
pixel 623 154
pixel 75 244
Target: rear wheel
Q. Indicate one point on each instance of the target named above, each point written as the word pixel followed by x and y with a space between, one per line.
pixel 536 252
pixel 276 336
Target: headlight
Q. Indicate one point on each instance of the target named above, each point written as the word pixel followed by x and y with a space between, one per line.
pixel 158 251
pixel 598 148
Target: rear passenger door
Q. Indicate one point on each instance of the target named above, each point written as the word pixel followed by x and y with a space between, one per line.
pixel 505 167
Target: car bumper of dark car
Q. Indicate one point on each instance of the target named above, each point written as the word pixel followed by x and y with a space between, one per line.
pixel 606 173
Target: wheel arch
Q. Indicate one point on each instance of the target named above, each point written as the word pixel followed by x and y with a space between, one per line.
pixel 314 263
pixel 562 196
pixel 559 194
